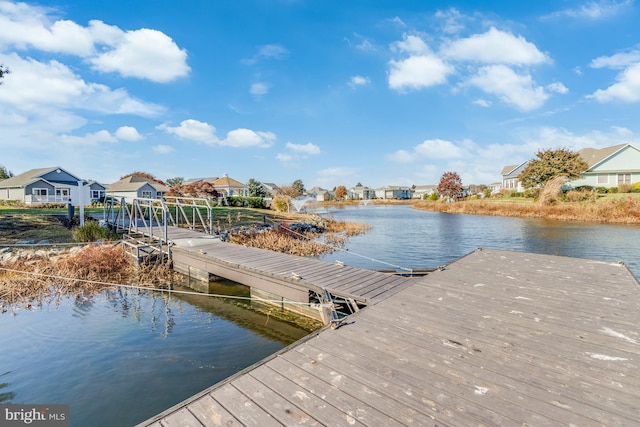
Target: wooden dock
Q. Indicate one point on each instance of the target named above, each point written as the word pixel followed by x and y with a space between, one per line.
pixel 496 338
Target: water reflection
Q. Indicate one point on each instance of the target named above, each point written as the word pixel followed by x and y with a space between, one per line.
pixel 417 239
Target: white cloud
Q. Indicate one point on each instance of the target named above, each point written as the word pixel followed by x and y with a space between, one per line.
pixel 337 175
pixel 163 149
pixel 411 44
pixel 558 88
pixel 452 20
pixel 98 137
pixel 243 138
pixel 198 131
pixel 616 61
pixel 194 130
pixel 548 137
pixel 268 51
pixel 417 72
pixel 304 149
pixel 595 10
pixel 143 53
pixel 481 102
pixel 495 47
pixel 128 133
pixel 430 149
pixel 283 157
pixel 627 88
pixel 147 54
pixel 34 86
pixel 259 89
pixel 511 88
pixel 356 81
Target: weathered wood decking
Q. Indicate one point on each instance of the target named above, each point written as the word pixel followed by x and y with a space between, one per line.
pixel 288 276
pixel 497 338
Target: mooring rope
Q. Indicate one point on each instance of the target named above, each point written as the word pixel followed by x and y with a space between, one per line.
pixel 147 288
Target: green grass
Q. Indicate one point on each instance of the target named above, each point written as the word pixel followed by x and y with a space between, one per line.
pixel 12 210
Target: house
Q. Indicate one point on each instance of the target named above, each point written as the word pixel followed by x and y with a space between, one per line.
pixel 47 185
pixel 361 192
pixel 97 191
pixel 609 167
pixel 320 194
pixel 423 191
pixel 229 187
pixel 194 180
pixel 270 188
pixel 510 179
pixel 135 186
pixel 495 187
pixel 393 192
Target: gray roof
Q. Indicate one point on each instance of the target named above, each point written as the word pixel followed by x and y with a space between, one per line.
pixel 594 156
pixel 133 183
pixel 28 177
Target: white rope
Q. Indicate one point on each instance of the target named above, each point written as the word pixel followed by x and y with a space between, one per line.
pixel 146 288
pixel 337 248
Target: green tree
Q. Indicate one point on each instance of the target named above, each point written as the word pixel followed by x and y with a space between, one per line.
pixel 299 186
pixel 450 185
pixel 341 192
pixel 172 182
pixel 5 173
pixel 255 188
pixel 550 164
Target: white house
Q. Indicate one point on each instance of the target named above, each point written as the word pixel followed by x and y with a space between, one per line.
pixel 609 167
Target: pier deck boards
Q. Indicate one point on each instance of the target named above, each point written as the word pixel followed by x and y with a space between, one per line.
pixel 289 276
pixel 496 338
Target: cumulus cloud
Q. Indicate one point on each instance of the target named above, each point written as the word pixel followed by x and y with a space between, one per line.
pixel 296 152
pixel 203 132
pixel 627 88
pixel 421 69
pixel 194 130
pixel 518 90
pixel 144 53
pixel 558 88
pixel 147 54
pixel 37 85
pixel 429 149
pixel 128 133
pixel 495 47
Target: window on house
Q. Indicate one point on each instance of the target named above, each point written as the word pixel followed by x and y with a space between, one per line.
pixel 624 178
pixel 40 191
pixel 62 193
pixel 603 178
pixel 97 194
pixel 146 194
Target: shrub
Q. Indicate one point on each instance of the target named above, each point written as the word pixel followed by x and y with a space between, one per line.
pixel 612 190
pixel 434 196
pixel 602 190
pixel 580 195
pixel 532 193
pixel 90 232
pixel 624 188
pixel 281 203
pixel 473 197
pixel 516 194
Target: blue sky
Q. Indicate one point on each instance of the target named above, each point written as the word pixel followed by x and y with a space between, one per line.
pixel 331 92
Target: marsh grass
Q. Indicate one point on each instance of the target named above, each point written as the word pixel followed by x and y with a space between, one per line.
pixel 329 236
pixel 28 279
pixel 618 210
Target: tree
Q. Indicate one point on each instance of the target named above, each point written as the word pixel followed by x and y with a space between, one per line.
pixel 172 182
pixel 3 72
pixel 450 185
pixel 5 173
pixel 341 192
pixel 299 186
pixel 550 164
pixel 144 175
pixel 255 188
pixel 201 189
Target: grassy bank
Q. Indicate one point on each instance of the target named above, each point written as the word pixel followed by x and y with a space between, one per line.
pixel 613 209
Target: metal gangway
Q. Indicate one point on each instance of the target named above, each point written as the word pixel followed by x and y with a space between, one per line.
pixel 146 221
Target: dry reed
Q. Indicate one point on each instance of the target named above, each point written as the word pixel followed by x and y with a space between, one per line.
pixel 29 278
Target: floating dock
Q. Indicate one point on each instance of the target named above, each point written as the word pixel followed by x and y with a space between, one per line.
pixel 495 338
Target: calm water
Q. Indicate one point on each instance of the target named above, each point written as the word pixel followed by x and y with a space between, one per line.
pixel 414 239
pixel 123 357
